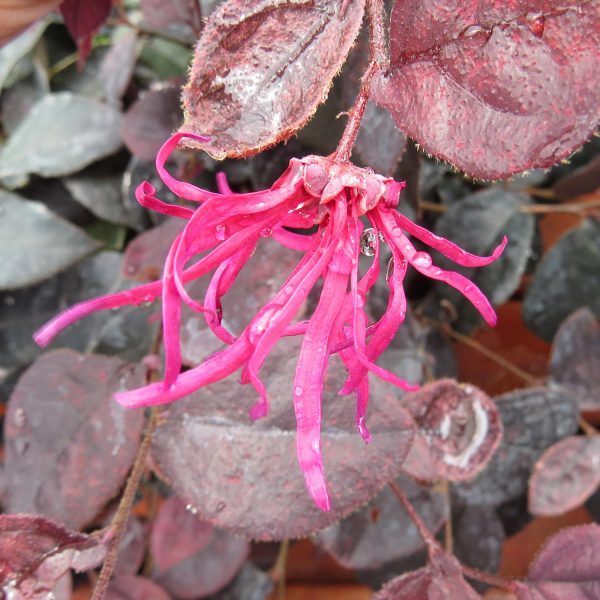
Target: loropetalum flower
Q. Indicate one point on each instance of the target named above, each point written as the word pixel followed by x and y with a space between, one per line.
pixel 336 197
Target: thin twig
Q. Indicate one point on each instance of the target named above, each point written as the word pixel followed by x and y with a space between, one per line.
pixel 427 536
pixel 587 427
pixel 279 571
pixel 448 534
pixel 494 580
pixel 118 525
pixel 500 360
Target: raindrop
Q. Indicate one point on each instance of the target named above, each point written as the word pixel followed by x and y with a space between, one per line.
pixel 298 391
pixel 477 32
pixel 20 418
pixel 390 269
pixel 288 289
pixel 368 242
pixel 191 508
pixel 221 232
pixel 536 22
pixel 266 232
pixel 421 259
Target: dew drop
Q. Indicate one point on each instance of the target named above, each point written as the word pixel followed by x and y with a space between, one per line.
pixel 477 32
pixel 536 22
pixel 288 289
pixel 421 259
pixel 20 418
pixel 368 242
pixel 221 232
pixel 298 391
pixel 266 232
pixel 191 508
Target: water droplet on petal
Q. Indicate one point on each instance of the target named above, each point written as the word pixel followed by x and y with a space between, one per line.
pixel 266 232
pixel 368 242
pixel 421 259
pixel 221 232
pixel 298 391
pixel 536 22
pixel 288 289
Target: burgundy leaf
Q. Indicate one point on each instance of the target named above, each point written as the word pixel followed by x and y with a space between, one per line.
pixel 568 566
pixel 151 120
pixel 382 531
pixel 459 429
pixel 244 476
pixel 262 67
pixel 161 14
pixel 575 361
pixel 565 476
pixel 469 79
pixel 440 580
pixel 207 571
pixel 69 445
pixel 177 534
pixel 82 19
pixel 533 419
pixel 133 548
pixel 131 587
pixel 35 552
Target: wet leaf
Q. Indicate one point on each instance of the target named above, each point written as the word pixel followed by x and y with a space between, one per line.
pixel 568 566
pixel 244 476
pixel 133 587
pixel 442 579
pixel 36 552
pixel 177 534
pixel 478 223
pixel 61 134
pixel 565 476
pixel 458 431
pixel 533 420
pixel 467 79
pixel 382 531
pixel 196 567
pixel 571 265
pixel 36 244
pixel 262 68
pixel 151 120
pixel 575 361
pixel 69 446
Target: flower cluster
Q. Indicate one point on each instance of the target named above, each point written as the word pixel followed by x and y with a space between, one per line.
pixel 337 198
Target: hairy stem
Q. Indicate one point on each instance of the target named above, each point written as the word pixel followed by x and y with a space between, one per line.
pixel 278 573
pixel 488 578
pixel 377 61
pixel 432 545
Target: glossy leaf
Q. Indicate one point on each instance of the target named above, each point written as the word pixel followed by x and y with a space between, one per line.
pixel 573 263
pixel 261 68
pixel 61 134
pixel 382 531
pixel 565 476
pixel 442 579
pixel 69 445
pixel 568 566
pixel 36 244
pixel 244 476
pixel 458 431
pixel 533 419
pixel 467 79
pixel 575 361
pixel 36 552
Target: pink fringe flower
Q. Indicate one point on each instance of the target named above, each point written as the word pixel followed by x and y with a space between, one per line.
pixel 227 227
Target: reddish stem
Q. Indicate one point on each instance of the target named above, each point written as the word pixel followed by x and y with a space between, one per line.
pixel 432 544
pixel 377 61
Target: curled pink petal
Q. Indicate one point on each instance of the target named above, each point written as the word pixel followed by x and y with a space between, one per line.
pixel 447 248
pixel 144 194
